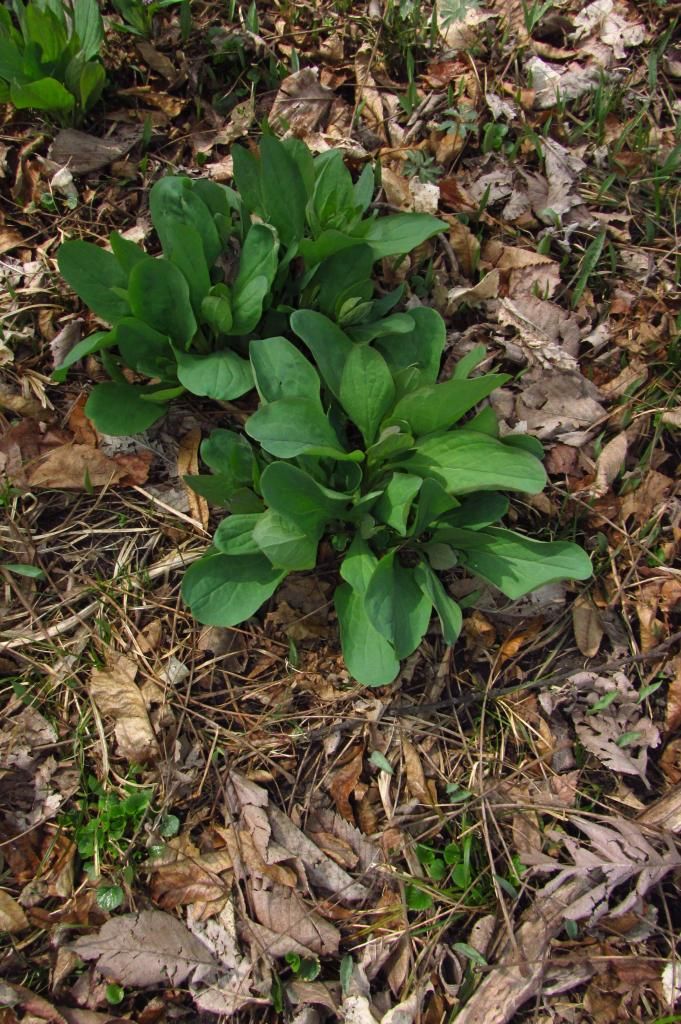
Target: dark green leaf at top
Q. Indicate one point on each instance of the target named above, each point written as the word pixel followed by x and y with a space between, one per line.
pixel 282 371
pixel 367 391
pixel 159 295
pixel 93 273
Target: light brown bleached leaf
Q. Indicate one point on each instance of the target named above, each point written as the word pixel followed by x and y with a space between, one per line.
pixel 416 779
pixel 283 912
pixel 586 625
pixel 13 920
pixel 609 464
pixel 118 696
pixel 553 405
pixel 367 93
pixel 144 949
pixel 600 19
pixel 188 465
pixel 547 335
pixel 672 715
pixel 185 875
pixel 302 104
pixel 487 288
pixel 525 272
pixel 672 418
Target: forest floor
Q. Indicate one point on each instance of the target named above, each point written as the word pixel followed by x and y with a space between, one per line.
pixel 237 827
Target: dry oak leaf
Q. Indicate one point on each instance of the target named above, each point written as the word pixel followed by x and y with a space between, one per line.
pixel 302 103
pixel 143 949
pixel 118 696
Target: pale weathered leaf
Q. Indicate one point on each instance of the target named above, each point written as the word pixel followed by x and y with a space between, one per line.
pixel 546 334
pixel 586 625
pixel 609 464
pixel 12 917
pixel 143 949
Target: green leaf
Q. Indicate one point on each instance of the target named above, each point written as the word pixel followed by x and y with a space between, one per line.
pixel 285 544
pixel 369 657
pixel 258 256
pixel 477 511
pixel 359 564
pixel 120 409
pixel 465 461
pixel 283 190
pixel 224 590
pixel 416 898
pixel 333 199
pixel 327 343
pixel 93 273
pixel 234 535
pixel 381 761
pixel 281 371
pixel 447 610
pixel 294 426
pixel 184 249
pixel 292 493
pixel 514 563
pixel 229 454
pixel 173 201
pixel 33 572
pixel 42 94
pixel 247 305
pixel 421 347
pixel 396 605
pixel 438 406
pixel 126 252
pixel 109 897
pixel 470 953
pixel 395 503
pixel 433 502
pixel 391 442
pixel 399 233
pixel 88 26
pixel 222 375
pixel 94 343
pixel 247 178
pixel 367 391
pixel 216 309
pixel 145 350
pixel 91 84
pixel 159 295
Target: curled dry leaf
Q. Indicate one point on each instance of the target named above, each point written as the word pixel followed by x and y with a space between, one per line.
pixel 187 465
pixel 487 288
pixel 609 464
pixel 118 696
pixel 343 781
pixel 547 335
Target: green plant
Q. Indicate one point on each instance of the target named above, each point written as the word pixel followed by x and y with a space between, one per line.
pixel 138 15
pixel 103 823
pixel 366 450
pixel 50 62
pixel 421 165
pixel 185 319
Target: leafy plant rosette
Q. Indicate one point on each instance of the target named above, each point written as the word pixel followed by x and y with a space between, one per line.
pixel 49 57
pixel 235 263
pixel 364 449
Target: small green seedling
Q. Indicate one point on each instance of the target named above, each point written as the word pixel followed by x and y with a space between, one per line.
pixel 138 15
pixel 49 57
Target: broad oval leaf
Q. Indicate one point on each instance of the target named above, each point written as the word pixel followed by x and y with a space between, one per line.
pixel 120 409
pixel 42 94
pixel 229 454
pixel 395 503
pixel 396 605
pixel 327 343
pixel 370 658
pixel 93 272
pixel 172 201
pixel 446 608
pixel 159 295
pixel 293 494
pixel 367 391
pixel 466 460
pixel 399 233
pixel 438 406
pixel 285 543
pixel 422 347
pixel 224 590
pixel 234 535
pixel 145 350
pixel 221 375
pixel 517 564
pixel 281 371
pixel 293 426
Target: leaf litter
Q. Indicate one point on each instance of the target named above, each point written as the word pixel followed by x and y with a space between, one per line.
pixel 291 839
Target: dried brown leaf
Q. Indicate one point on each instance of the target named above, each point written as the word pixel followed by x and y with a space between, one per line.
pixel 302 103
pixel 586 625
pixel 83 153
pixel 13 920
pixel 416 779
pixel 342 782
pixel 118 696
pixel 144 949
pixel 547 335
pixel 487 288
pixel 609 464
pixel 282 911
pixel 188 465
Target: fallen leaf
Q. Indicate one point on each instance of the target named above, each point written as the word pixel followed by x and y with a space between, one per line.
pixel 118 696
pixel 10 239
pixel 672 715
pixel 302 103
pixel 283 912
pixel 552 405
pixel 366 93
pixel 609 464
pixel 547 335
pixel 586 625
pixel 13 920
pixel 144 949
pixel 487 288
pixel 601 19
pixel 343 780
pixel 553 84
pixel 416 779
pixel 188 465
pixel 184 875
pixel 651 498
pixel 83 153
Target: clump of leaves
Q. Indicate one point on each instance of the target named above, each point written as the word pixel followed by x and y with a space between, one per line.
pixel 366 450
pixel 49 56
pixel 138 15
pixel 227 275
